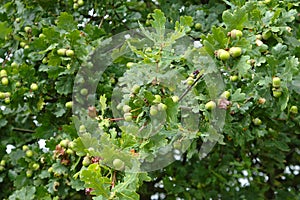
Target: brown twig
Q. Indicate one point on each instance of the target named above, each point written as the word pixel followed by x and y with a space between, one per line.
pixel 117 119
pixel 23 130
pixel 113 181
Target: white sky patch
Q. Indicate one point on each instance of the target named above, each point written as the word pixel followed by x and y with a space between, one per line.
pixel 245 173
pixel 197 44
pixel 41 142
pixel 127 36
pixel 9 148
pixel 181 9
pixel 42 145
pixel 244 182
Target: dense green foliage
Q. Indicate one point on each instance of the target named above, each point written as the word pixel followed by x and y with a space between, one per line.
pixel 241 90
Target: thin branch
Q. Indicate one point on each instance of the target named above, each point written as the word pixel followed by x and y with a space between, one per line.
pixel 23 130
pixel 190 87
pixel 117 119
pixel 6 58
pixel 101 22
pixel 143 127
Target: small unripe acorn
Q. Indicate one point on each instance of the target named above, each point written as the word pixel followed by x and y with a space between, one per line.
pixel 225 94
pixel 118 164
pixel 128 117
pixel 56 174
pixel 175 99
pixel 14 64
pixel 257 121
pixel 192 75
pixel 61 52
pixel 4 81
pixel 34 87
pixel 29 173
pixel 45 60
pixel 126 109
pixel 223 55
pixel 210 105
pixel 235 51
pixel 3 162
pixel 25 147
pixel 251 62
pixel 7 94
pixel 234 78
pixel 22 44
pixel 71 144
pixel 70 151
pixel 69 104
pixel 259 37
pixel 50 169
pixel 119 106
pixel 276 82
pixel 80 2
pixel 3 73
pixel 129 64
pixel 135 89
pixel 162 106
pixel 294 109
pixel 277 93
pixel 35 166
pixel 198 26
pixel 75 6
pixel 2 95
pixel 27 29
pixel 177 145
pixel 86 161
pixel 29 153
pixel 190 81
pixel 236 34
pixel 267 1
pixel 64 143
pixel 82 129
pixel 84 91
pixel 69 52
pixel 7 100
pixel 153 110
pixel 157 99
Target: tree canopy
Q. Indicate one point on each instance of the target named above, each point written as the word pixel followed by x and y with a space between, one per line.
pixel 149 99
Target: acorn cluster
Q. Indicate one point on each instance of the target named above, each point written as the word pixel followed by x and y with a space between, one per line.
pixel 232 52
pixel 63 151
